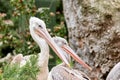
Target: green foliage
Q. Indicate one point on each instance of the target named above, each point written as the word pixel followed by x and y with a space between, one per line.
pixel 15 72
pixel 15 37
pixel 25 7
pixel 22 10
pixel 60 30
pixel 5 7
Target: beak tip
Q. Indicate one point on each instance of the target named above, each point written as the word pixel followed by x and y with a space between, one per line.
pixel 69 65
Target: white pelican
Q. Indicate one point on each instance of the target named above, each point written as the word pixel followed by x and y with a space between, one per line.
pixel 41 36
pixel 38 26
pixel 114 74
pixel 62 72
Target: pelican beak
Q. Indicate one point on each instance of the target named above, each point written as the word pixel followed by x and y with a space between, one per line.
pixel 68 50
pixel 44 34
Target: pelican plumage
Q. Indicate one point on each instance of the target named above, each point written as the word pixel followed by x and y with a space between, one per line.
pixel 41 36
pixel 61 71
pixel 114 74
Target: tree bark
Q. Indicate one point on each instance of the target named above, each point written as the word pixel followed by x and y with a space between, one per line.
pixel 94 33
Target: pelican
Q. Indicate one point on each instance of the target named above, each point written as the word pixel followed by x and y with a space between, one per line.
pixel 114 73
pixel 40 35
pixel 61 71
pixel 37 26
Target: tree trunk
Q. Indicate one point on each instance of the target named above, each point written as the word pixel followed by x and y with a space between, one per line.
pixel 94 33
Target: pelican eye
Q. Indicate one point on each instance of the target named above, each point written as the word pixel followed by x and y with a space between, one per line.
pixel 40 26
pixel 64 43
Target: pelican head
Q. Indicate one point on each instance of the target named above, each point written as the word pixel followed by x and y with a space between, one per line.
pixel 38 29
pixel 36 23
pixel 62 43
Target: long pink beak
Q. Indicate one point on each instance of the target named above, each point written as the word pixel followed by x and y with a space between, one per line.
pixel 44 34
pixel 68 50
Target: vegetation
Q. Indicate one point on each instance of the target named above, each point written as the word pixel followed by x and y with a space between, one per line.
pixel 15 72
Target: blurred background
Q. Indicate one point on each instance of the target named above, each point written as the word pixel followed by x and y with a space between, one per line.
pixel 15 37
